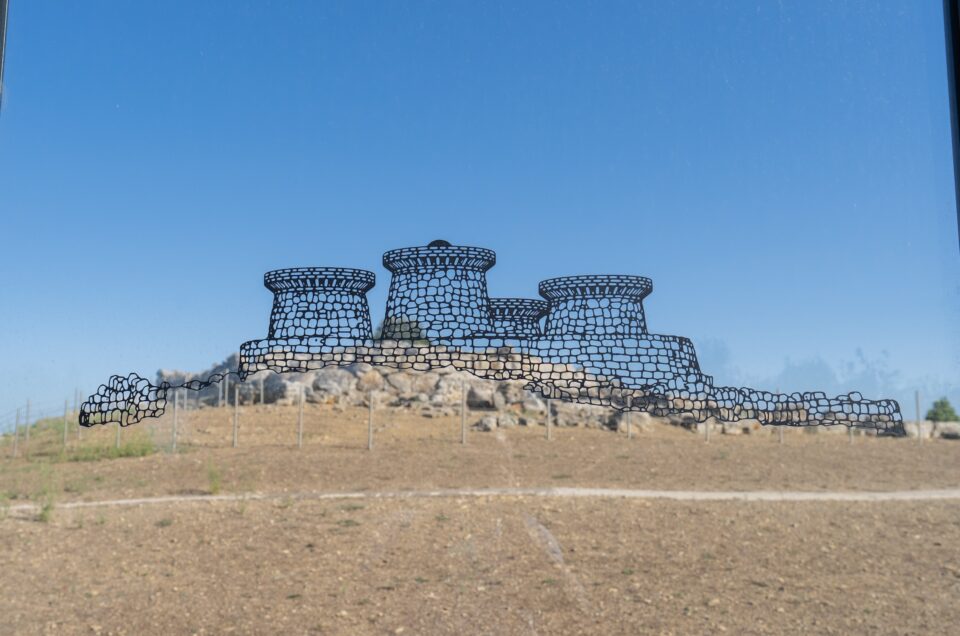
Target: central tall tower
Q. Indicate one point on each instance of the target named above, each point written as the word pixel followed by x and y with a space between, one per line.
pixel 438 292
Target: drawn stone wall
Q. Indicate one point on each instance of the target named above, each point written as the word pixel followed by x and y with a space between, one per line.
pixel 592 348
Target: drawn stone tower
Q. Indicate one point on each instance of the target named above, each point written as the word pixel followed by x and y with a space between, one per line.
pixel 596 306
pixel 325 302
pixel 517 317
pixel 438 292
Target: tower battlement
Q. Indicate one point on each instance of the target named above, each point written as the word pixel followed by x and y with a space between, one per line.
pixel 439 254
pixel 313 278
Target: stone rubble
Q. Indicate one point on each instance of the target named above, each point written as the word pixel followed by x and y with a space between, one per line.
pixel 437 393
pixel 492 404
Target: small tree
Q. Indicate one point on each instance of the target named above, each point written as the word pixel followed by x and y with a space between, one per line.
pixel 402 328
pixel 942 411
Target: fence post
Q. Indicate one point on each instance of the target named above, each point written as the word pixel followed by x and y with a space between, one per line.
pixel 916 397
pixel 117 442
pixel 549 427
pixel 65 404
pixel 706 431
pixel 779 426
pixel 629 424
pixel 463 412
pixel 850 433
pixel 261 390
pixel 16 433
pixel 300 419
pixel 236 415
pixel 370 421
pixel 176 420
pixel 76 411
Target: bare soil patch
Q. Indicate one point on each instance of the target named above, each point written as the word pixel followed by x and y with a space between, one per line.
pixel 480 564
pixel 499 565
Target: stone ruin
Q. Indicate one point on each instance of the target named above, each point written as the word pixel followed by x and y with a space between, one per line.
pixel 436 393
pixel 585 343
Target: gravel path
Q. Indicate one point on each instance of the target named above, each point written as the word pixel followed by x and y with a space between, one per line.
pixel 614 493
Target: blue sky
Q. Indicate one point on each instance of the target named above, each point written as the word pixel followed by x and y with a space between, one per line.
pixel 781 170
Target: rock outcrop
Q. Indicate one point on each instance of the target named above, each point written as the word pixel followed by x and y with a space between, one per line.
pixel 436 393
pixel 492 404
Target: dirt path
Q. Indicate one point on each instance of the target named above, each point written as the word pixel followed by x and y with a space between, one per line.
pixel 614 493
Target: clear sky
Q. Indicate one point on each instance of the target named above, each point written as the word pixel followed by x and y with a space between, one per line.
pixel 781 170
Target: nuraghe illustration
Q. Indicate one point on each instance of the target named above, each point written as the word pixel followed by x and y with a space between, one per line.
pixel 585 341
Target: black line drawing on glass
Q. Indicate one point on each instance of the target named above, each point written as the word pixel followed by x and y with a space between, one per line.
pixel 585 341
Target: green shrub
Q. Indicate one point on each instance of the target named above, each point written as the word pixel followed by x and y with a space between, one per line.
pixel 214 479
pixel 131 448
pixel 942 411
pixel 46 512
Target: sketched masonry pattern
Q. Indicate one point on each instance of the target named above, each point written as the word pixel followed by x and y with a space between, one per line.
pixel 586 342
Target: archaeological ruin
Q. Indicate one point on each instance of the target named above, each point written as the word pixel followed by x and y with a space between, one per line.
pixel 585 341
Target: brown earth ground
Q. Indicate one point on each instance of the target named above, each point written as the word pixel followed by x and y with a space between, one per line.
pixel 498 564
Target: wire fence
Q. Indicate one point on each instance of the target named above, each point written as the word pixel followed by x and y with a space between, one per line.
pixel 44 430
pixel 190 417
